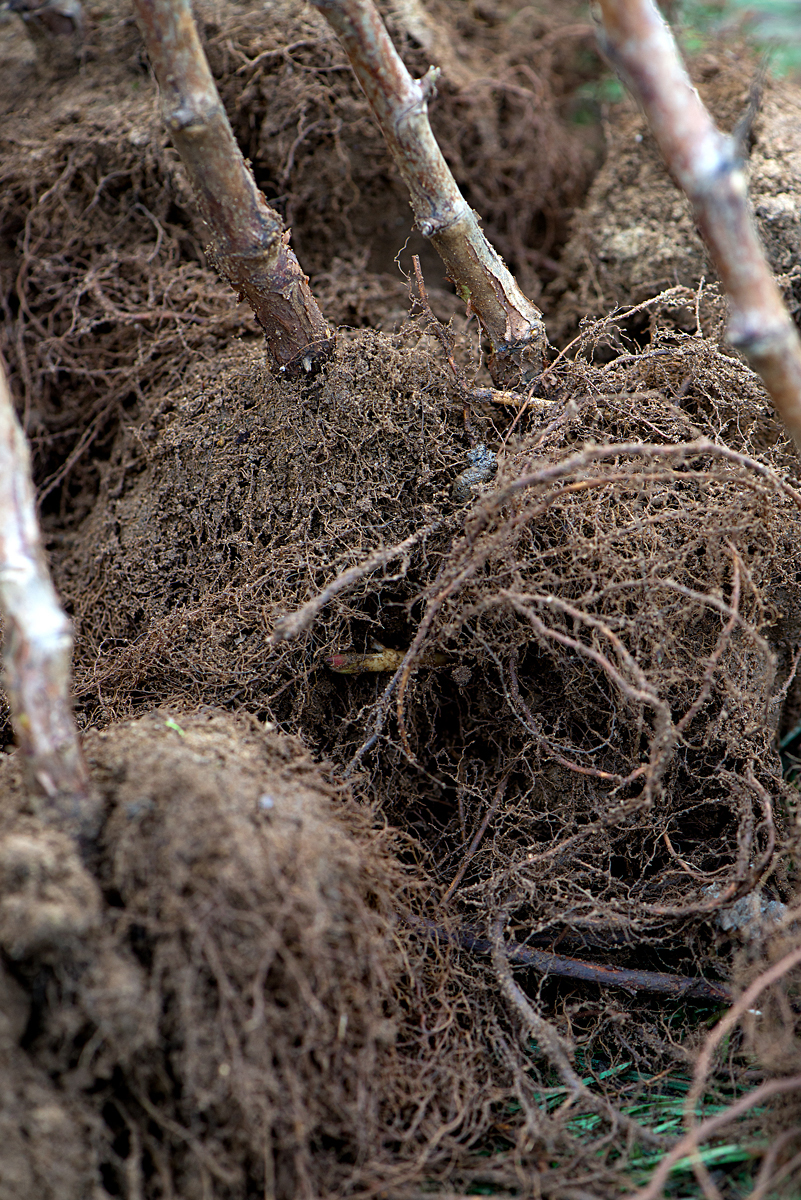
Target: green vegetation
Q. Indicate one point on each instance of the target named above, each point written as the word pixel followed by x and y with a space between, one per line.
pixel 657 1103
pixel 774 25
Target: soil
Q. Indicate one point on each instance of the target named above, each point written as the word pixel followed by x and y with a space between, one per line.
pixel 385 674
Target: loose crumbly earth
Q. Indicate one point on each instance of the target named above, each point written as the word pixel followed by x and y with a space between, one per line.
pixel 282 969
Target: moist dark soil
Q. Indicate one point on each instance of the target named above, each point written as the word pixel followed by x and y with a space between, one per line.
pixel 387 679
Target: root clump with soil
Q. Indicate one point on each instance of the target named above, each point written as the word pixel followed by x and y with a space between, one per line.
pixel 237 989
pixel 585 746
pixel 294 964
pixel 104 276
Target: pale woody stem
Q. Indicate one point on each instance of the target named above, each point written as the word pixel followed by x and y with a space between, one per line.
pixel 511 322
pixel 249 246
pixel 37 646
pixel 705 164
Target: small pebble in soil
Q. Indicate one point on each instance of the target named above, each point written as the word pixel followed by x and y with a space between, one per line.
pixel 482 465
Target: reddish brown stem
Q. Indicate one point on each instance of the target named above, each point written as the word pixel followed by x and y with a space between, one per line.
pixel 512 323
pixel 686 987
pixel 705 163
pixel 37 648
pixel 249 245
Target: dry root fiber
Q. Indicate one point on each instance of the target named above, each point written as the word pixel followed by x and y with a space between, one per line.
pixel 602 641
pixel 581 754
pixel 242 994
pixel 237 496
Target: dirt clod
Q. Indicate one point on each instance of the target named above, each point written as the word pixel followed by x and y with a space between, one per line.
pixel 247 951
pixel 48 899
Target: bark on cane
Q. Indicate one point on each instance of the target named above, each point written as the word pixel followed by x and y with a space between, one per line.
pixel 512 323
pixel 249 245
pixel 705 163
pixel 37 646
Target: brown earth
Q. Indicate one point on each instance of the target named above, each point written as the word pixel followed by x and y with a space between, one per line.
pixel 280 972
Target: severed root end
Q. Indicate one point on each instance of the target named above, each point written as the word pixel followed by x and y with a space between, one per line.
pixel 515 366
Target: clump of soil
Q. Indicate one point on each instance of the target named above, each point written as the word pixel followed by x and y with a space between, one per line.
pixel 50 1141
pixel 244 469
pixel 579 748
pixel 224 1004
pixel 602 637
pixel 635 235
